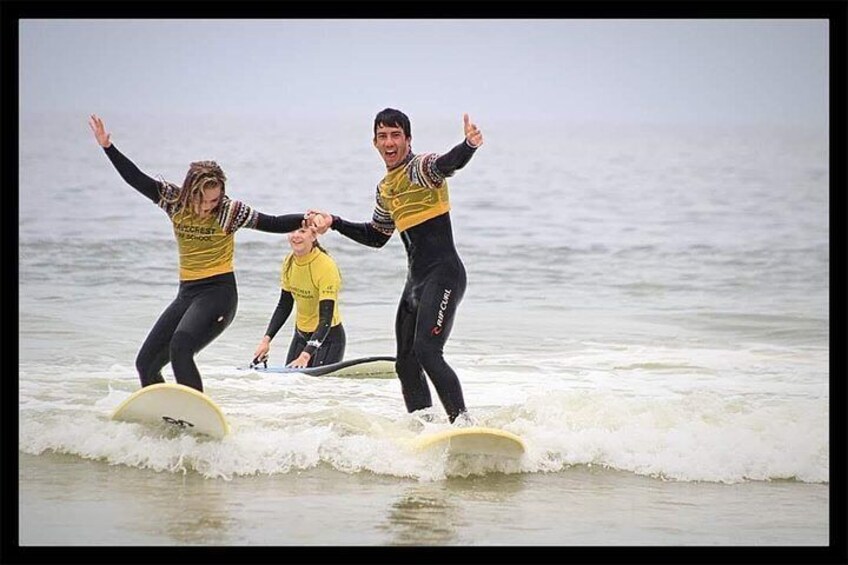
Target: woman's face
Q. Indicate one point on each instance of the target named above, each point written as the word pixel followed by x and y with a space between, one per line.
pixel 207 200
pixel 302 240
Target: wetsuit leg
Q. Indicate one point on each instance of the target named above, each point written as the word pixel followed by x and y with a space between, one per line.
pixel 212 309
pixel 440 297
pixel 413 383
pixel 332 350
pixel 155 351
pixel 297 345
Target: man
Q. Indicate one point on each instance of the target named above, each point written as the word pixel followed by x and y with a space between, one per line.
pixel 413 198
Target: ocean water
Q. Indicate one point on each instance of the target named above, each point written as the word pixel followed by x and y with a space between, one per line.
pixel 648 307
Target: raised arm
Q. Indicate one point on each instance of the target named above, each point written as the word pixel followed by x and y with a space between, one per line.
pixel 129 172
pixel 459 156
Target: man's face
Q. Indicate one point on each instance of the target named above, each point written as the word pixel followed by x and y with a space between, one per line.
pixel 392 144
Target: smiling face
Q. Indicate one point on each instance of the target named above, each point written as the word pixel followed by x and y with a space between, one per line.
pixel 302 241
pixel 392 144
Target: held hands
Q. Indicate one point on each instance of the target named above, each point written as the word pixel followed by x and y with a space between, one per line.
pixel 100 134
pixel 301 361
pixel 472 135
pixel 320 221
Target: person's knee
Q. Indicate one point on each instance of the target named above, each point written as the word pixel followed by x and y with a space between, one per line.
pixel 148 372
pixel 407 365
pixel 145 366
pixel 142 365
pixel 428 354
pixel 182 345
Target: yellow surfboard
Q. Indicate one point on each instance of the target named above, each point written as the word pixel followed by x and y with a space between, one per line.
pixel 174 404
pixel 473 440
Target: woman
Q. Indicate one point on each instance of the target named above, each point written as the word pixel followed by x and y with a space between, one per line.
pixel 310 279
pixel 204 220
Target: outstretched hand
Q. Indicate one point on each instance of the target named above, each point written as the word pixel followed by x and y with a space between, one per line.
pixel 472 135
pixel 100 133
pixel 320 221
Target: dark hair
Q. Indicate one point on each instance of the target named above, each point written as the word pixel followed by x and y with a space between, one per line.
pixel 392 118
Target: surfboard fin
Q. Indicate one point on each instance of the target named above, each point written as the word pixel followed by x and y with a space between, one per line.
pixel 257 360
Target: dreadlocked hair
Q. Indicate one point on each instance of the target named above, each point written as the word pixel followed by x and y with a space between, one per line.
pixel 201 175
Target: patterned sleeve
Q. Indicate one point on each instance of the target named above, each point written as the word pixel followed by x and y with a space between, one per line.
pixel 169 195
pixel 382 219
pixel 423 171
pixel 235 214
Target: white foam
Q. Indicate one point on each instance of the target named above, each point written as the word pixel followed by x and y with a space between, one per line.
pixel 283 428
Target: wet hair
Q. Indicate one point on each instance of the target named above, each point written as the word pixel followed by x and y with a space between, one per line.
pixel 390 117
pixel 201 175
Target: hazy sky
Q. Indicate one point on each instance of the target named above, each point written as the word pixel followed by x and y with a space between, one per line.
pixel 621 71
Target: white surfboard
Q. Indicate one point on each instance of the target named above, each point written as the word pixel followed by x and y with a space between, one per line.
pixel 174 404
pixel 477 440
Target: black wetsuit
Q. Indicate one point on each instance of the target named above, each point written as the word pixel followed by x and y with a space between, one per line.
pixel 203 307
pixel 435 285
pixel 325 345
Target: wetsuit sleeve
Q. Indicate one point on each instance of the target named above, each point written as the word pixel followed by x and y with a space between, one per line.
pixel 373 234
pixel 281 313
pixel 235 214
pixel 364 233
pixel 278 224
pixel 454 159
pixel 132 175
pixel 325 318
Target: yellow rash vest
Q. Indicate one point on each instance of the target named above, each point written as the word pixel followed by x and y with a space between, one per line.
pixel 310 279
pixel 206 245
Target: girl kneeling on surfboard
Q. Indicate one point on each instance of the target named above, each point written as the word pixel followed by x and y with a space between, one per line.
pixel 310 279
pixel 204 220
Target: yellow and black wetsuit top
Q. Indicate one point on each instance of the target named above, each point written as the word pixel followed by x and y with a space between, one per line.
pixel 311 279
pixel 206 246
pixel 413 192
pixel 413 198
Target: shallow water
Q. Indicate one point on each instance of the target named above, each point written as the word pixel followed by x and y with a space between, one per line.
pixel 647 308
